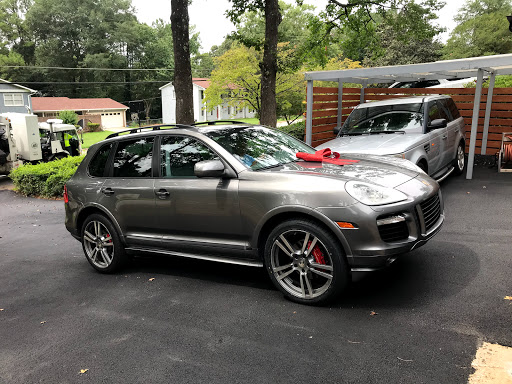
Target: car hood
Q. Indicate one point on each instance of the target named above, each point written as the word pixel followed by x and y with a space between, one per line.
pixel 387 172
pixel 383 144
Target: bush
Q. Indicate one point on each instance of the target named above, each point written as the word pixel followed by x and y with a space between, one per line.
pixel 68 117
pixel 296 130
pixel 45 179
pixel 93 127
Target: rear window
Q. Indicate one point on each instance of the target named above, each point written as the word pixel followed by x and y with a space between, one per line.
pixel 99 162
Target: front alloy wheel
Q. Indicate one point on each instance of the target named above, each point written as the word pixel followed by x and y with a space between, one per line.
pixel 305 262
pixel 460 159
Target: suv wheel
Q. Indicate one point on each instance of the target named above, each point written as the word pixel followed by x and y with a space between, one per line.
pixel 460 159
pixel 101 244
pixel 305 262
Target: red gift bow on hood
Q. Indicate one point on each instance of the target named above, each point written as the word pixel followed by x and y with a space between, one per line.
pixel 326 156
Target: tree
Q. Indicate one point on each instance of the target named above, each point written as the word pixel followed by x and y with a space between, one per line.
pixel 68 117
pixel 237 79
pixel 268 64
pixel 182 67
pixel 482 30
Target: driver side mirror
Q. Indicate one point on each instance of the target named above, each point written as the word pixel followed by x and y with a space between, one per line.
pixel 211 168
pixel 437 123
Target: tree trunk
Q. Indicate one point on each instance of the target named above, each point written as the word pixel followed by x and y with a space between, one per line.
pixel 269 65
pixel 182 70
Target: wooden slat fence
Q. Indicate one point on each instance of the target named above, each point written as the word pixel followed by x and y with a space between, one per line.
pixel 325 109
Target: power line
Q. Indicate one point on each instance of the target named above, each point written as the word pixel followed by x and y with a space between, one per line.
pixel 96 69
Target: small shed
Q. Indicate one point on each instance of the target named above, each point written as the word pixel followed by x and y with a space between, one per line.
pixel 476 66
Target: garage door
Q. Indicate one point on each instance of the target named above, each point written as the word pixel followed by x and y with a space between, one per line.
pixel 112 120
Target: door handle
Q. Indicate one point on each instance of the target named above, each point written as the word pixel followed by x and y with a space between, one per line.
pixel 162 193
pixel 107 191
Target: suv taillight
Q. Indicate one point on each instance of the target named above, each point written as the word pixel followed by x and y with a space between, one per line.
pixel 66 199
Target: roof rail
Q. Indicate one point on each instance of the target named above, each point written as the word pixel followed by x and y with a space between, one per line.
pixel 218 122
pixel 152 127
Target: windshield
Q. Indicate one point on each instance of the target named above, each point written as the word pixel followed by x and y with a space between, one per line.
pixel 258 147
pixel 384 118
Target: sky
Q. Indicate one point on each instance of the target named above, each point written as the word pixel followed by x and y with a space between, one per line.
pixel 212 25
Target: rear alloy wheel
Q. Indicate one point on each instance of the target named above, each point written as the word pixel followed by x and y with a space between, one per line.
pixel 101 244
pixel 460 159
pixel 305 262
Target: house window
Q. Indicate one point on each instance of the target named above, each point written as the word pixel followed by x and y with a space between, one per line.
pixel 13 99
pixel 202 94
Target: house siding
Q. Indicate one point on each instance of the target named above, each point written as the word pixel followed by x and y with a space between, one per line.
pixel 10 88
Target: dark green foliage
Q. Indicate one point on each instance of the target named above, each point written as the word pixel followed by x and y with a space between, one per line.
pixel 93 127
pixel 296 130
pixel 68 117
pixel 45 179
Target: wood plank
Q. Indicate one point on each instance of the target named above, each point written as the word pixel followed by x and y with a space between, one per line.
pixel 325 113
pixel 316 143
pixel 321 90
pixel 319 106
pixel 325 98
pixel 324 135
pixel 424 91
pixel 351 90
pixel 324 120
pixel 323 128
pixel 504 114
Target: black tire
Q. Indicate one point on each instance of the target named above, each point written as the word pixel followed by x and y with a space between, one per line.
pixel 460 159
pixel 302 276
pixel 102 245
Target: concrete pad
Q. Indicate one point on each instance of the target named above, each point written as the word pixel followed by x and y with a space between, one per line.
pixel 492 364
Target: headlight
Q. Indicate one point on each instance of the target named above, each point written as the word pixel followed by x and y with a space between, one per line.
pixel 398 155
pixel 371 194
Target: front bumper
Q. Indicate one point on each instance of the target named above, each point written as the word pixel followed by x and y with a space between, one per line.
pixel 368 249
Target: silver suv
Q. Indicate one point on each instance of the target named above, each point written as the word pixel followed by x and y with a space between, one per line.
pixel 238 194
pixel 429 131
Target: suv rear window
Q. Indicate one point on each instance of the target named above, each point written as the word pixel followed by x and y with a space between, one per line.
pixel 134 158
pixel 99 161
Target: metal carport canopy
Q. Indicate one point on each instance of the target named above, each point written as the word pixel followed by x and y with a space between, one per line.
pixel 474 66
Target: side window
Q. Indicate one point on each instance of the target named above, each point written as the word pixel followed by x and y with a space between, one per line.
pixel 433 112
pixel 99 162
pixel 134 158
pixel 450 105
pixel 179 154
pixel 442 111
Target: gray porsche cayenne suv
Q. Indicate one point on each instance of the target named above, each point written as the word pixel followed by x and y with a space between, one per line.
pixel 238 193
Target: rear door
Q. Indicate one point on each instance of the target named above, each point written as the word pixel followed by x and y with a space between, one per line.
pixel 128 191
pixel 195 214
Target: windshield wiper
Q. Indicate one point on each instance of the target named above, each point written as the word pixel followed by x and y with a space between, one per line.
pixel 351 133
pixel 377 132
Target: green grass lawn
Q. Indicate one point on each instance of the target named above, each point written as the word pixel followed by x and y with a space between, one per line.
pixel 91 138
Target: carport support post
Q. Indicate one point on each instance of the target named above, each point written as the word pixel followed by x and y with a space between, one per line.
pixel 474 123
pixel 488 106
pixel 340 102
pixel 309 112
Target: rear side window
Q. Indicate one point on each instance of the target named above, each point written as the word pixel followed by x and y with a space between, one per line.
pixel 99 162
pixel 442 111
pixel 450 105
pixel 179 155
pixel 134 158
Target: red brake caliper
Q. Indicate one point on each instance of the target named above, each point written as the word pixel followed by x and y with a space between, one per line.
pixel 108 238
pixel 317 254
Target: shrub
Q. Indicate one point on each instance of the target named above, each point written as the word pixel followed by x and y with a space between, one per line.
pixel 44 179
pixel 68 117
pixel 296 130
pixel 93 127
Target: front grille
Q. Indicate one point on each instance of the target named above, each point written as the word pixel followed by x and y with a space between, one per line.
pixel 431 209
pixel 393 232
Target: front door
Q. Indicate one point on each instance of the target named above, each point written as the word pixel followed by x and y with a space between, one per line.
pixel 436 149
pixel 195 214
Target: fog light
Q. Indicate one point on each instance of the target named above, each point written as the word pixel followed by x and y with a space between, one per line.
pixel 345 225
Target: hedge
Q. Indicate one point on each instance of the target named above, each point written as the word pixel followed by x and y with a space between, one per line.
pixel 45 179
pixel 296 129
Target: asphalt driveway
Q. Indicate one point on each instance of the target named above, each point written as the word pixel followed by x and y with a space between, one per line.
pixel 183 321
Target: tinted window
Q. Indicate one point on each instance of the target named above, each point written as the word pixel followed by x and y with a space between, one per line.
pixel 179 154
pixel 433 112
pixel 99 161
pixel 134 158
pixel 450 105
pixel 442 111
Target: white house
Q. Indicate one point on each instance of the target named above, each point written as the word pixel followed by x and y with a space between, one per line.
pixel 221 112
